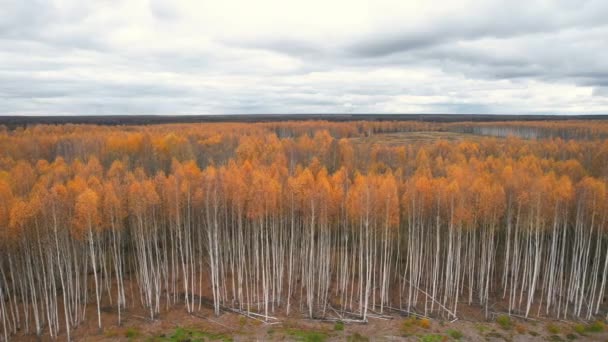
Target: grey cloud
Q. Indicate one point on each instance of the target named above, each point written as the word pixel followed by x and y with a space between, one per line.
pixel 507 19
pixel 601 91
pixel 65 60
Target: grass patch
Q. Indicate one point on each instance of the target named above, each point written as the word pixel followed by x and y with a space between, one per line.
pixel 112 333
pixel 571 337
pixel 481 328
pixel 432 338
pixel 579 329
pixel 596 327
pixel 191 335
pixel 495 335
pixel 552 328
pixel 533 333
pixel 504 321
pixel 408 326
pixel 132 333
pixel 520 328
pixel 307 335
pixel 455 334
pixel 356 337
pixel 242 321
pixel 411 324
pixel 339 326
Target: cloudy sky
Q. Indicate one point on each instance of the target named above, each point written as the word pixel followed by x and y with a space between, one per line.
pixel 214 57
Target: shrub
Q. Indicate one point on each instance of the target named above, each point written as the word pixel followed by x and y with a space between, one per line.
pixel 595 327
pixel 579 329
pixel 424 323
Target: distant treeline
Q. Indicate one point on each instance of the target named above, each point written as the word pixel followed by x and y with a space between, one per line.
pixel 13 121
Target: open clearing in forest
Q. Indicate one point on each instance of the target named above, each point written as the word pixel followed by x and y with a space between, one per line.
pixel 401 138
pixel 177 325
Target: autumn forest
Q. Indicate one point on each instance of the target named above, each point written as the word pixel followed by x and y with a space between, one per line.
pixel 314 219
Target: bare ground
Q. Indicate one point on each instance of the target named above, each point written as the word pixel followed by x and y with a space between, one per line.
pixel 177 325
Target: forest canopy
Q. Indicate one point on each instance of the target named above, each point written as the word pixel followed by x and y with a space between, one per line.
pixel 303 218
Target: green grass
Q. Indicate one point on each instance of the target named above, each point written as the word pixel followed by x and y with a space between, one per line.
pixel 579 329
pixel 455 334
pixel 504 321
pixel 339 326
pixel 596 327
pixel 411 324
pixel 191 335
pixel 132 333
pixel 481 328
pixel 356 337
pixel 552 328
pixel 431 338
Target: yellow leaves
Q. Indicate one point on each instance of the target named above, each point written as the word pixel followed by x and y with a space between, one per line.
pixel 375 198
pixel 387 192
pixel 347 154
pixel 211 140
pixel 113 207
pixel 119 143
pixel 19 214
pixel 86 213
pixel 6 197
pixel 489 199
pixel 591 194
pixel 264 195
pixel 93 168
pixel 142 196
pixel 23 177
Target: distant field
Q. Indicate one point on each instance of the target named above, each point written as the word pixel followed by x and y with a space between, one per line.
pixel 400 138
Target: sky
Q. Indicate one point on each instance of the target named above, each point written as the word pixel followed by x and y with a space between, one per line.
pixel 220 57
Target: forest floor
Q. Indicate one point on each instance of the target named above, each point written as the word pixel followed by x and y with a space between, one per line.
pixel 177 325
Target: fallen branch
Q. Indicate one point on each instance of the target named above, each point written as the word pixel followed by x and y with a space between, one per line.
pixel 334 310
pixel 431 297
pixel 386 318
pixel 409 313
pixel 252 314
pixel 147 319
pixel 214 321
